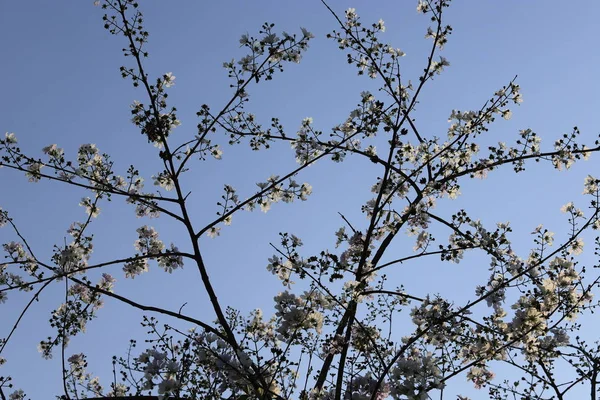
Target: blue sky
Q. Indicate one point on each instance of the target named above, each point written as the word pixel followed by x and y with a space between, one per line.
pixel 62 86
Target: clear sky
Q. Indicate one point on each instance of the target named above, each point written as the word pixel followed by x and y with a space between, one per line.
pixel 62 85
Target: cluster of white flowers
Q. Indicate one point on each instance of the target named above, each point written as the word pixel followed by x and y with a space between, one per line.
pixel 170 261
pixel 55 152
pixel 364 338
pixel 156 365
pixel 142 208
pixel 258 328
pixel 564 159
pixel 545 237
pixel 371 151
pixel 437 67
pixel 10 138
pixel 77 365
pixel 75 255
pixel 570 208
pixel 361 387
pixel 440 39
pixel 351 17
pixel 356 245
pixel 81 291
pixel 480 376
pixel 88 296
pixel 164 180
pixel 118 182
pixel 73 321
pixel 148 242
pixel 282 269
pixel 216 152
pixel 576 246
pixel 156 130
pixel 33 171
pixel 591 185
pixel 555 338
pixel 415 375
pixel 294 314
pixel 117 390
pixel 532 312
pixel 531 140
pixel 72 257
pixel 91 208
pixel 93 385
pixel 286 49
pixel 275 192
pixel 231 369
pixel 423 239
pixel 481 347
pixel 494 291
pixel 461 123
pixel 17 395
pixel 306 145
pixel 435 317
pixel 89 156
pixel 135 267
pixel 107 282
pixel 419 217
pixel 44 347
pixel 15 251
pixel 169 79
pixel 423 6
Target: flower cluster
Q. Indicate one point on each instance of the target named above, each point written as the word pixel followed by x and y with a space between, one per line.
pixel 415 375
pixel 361 387
pixel 480 376
pixel 148 242
pixel 155 365
pixel 171 260
pixel 154 121
pixel 277 50
pixel 296 314
pixel 164 180
pixel 272 191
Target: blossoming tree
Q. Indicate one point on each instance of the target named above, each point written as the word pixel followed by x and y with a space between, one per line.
pixel 331 334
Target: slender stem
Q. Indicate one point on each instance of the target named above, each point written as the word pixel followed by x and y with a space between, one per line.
pixel 22 314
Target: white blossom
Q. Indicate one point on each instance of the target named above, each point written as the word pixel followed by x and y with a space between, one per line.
pixel 33 171
pixel 53 151
pixel 422 7
pixel 171 262
pixel 306 33
pixel 576 246
pixel 164 180
pixel 169 79
pixel 213 232
pixel 135 268
pixel 17 395
pixel 91 208
pixel 10 138
pixel 591 185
